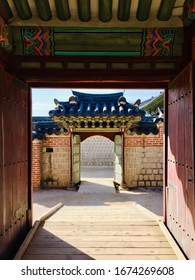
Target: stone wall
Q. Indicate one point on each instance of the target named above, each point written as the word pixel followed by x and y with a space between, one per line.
pixel 143 157
pixel 97 151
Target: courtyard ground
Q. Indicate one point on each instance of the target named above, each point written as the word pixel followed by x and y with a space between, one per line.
pixel 97 223
pixel 97 189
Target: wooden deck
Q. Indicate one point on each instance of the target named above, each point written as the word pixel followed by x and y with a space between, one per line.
pixel 112 232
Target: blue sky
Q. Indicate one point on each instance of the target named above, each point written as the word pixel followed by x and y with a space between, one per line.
pixel 43 98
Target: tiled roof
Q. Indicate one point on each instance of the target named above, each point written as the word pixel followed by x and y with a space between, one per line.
pixel 43 125
pixel 147 125
pixel 84 104
pixel 88 105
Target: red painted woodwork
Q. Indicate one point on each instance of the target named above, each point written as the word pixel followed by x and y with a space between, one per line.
pixel 13 164
pixel 180 206
pixel 155 76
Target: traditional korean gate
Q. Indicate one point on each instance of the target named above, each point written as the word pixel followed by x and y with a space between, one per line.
pixel 76 159
pixel 15 191
pixel 118 159
pixel 180 194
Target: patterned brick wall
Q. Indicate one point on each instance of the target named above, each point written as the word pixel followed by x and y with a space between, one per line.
pixel 97 151
pixel 36 163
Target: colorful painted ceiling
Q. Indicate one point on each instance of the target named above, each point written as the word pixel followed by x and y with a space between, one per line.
pixel 47 41
pixel 92 27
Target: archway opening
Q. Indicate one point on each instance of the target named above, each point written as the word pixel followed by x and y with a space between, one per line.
pixel 97 164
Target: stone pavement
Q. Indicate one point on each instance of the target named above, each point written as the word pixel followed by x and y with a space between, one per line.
pixel 97 189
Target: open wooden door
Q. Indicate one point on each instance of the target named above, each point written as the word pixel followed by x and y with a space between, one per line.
pixel 118 159
pixel 180 193
pixel 15 147
pixel 76 159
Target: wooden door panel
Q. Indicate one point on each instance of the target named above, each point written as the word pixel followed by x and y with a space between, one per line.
pixel 180 203
pixel 14 180
pixel 189 169
pixel 76 159
pixel 118 159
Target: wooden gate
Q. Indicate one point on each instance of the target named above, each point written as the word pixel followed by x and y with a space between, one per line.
pixel 180 195
pixel 76 159
pixel 118 159
pixel 14 164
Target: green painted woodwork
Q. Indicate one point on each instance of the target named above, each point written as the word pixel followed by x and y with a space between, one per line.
pixel 143 9
pixel 97 29
pixel 63 53
pixel 153 106
pixel 124 10
pixel 43 9
pixel 98 42
pixel 178 42
pixel 23 9
pixel 6 8
pixel 84 10
pixel 70 41
pixel 62 9
pixel 105 10
pixel 165 10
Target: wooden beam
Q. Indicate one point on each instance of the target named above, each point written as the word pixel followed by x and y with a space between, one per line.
pixel 96 75
pixel 106 59
pixel 143 10
pixel 63 9
pixel 133 75
pixel 105 10
pixel 5 11
pixel 23 9
pixel 84 10
pixel 100 85
pixel 44 10
pixel 165 10
pixel 124 10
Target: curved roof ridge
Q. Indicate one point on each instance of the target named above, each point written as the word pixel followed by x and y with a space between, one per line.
pixel 97 97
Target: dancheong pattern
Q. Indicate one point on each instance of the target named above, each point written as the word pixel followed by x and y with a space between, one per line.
pixel 190 9
pixel 4 34
pixel 154 42
pixel 158 42
pixel 37 41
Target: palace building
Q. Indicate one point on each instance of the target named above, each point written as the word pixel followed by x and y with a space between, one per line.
pixel 137 139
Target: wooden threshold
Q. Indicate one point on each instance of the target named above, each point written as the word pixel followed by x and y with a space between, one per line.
pixel 99 233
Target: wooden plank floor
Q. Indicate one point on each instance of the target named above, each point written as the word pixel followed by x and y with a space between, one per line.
pixel 118 231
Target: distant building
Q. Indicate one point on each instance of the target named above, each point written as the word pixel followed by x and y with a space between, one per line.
pixel 97 130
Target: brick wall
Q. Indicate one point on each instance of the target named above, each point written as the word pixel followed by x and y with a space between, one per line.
pixel 51 162
pixel 36 163
pixel 143 158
